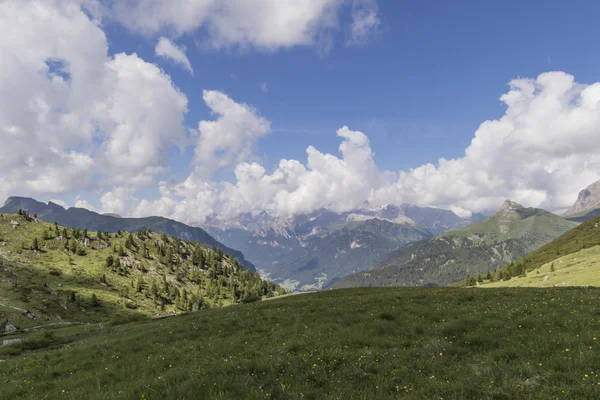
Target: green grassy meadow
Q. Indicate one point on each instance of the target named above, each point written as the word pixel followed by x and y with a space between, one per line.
pixel 581 268
pixel 380 343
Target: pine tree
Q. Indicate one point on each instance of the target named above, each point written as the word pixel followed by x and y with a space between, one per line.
pixel 73 246
pixel 34 245
pixel 129 242
pixel 110 261
pixel 94 300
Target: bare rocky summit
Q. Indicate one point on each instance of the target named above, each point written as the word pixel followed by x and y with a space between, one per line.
pixel 588 200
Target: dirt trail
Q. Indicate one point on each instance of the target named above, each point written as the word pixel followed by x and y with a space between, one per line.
pixel 14 308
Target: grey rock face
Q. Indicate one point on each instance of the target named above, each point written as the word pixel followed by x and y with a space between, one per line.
pixel 588 199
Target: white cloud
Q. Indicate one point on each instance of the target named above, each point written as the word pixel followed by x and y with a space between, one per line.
pixel 69 112
pixel 60 203
pixel 80 203
pixel 231 137
pixel 169 50
pixel 365 22
pixel 540 153
pixel 142 116
pixel 263 87
pixel 262 24
pixel 119 201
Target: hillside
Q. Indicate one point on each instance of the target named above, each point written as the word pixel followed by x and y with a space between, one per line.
pixel 53 275
pixel 569 260
pixel 384 343
pixel 309 251
pixel 483 246
pixel 85 219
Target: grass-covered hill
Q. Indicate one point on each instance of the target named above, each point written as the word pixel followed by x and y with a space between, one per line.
pixel 483 246
pixel 572 259
pixel 380 343
pixel 84 219
pixel 53 275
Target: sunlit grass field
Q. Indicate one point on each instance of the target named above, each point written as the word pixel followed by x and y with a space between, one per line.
pixel 384 343
pixel 581 268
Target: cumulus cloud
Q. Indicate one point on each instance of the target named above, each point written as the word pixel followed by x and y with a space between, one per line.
pixel 69 112
pixel 169 50
pixel 80 203
pixel 541 152
pixel 262 24
pixel 231 137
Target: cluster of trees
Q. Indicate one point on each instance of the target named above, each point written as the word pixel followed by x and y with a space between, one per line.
pixel 166 270
pixel 26 215
pixel 192 276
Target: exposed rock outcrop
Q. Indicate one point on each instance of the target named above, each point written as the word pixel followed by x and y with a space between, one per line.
pixel 588 200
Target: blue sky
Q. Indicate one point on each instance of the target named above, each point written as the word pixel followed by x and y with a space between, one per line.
pixel 418 87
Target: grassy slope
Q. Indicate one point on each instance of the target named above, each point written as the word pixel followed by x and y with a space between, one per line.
pixel 577 269
pixel 476 249
pixel 27 284
pixel 385 343
pixel 580 243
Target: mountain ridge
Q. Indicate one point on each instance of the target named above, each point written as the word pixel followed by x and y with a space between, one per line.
pixel 507 235
pixel 287 248
pixel 76 217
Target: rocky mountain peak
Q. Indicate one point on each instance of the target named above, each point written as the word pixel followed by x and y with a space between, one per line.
pixel 510 205
pixel 588 199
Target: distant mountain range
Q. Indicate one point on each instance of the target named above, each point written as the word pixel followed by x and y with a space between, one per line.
pixel 499 239
pixel 393 245
pixel 311 251
pixel 85 219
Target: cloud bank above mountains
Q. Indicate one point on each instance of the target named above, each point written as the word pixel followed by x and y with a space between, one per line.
pixel 74 118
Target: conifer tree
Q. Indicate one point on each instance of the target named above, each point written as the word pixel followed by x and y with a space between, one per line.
pixel 73 246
